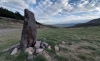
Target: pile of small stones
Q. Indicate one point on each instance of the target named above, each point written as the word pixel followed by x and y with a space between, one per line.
pixel 38 48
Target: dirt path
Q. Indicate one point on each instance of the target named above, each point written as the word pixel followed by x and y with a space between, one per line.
pixel 8 31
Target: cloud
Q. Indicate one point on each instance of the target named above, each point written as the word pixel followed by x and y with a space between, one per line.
pixel 69 19
pixel 47 21
pixel 58 11
pixel 15 5
pixel 48 9
pixel 31 1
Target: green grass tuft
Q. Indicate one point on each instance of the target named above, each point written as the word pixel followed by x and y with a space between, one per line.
pixel 40 58
pixel 81 44
pixel 82 57
pixel 61 58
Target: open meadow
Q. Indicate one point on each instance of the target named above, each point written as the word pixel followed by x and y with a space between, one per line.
pixel 82 44
pixel 49 30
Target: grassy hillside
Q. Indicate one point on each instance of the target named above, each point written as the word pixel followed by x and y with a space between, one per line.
pixel 10 23
pixel 82 44
pixel 13 23
pixel 94 22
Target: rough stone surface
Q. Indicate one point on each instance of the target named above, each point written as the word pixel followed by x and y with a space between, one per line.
pixel 49 47
pixel 30 56
pixel 63 42
pixel 37 44
pixel 29 31
pixel 44 45
pixel 56 48
pixel 30 50
pixel 14 51
pixel 39 50
pixel 47 56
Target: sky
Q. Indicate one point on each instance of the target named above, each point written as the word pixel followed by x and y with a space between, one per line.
pixel 56 11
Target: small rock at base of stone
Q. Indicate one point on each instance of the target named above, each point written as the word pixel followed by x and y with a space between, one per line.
pixel 63 42
pixel 30 50
pixel 39 50
pixel 37 45
pixel 14 51
pixel 56 48
pixel 30 56
pixel 49 47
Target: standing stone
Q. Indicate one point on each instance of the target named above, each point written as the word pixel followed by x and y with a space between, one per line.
pixel 29 31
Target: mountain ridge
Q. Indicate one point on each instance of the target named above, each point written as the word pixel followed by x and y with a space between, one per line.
pixel 94 22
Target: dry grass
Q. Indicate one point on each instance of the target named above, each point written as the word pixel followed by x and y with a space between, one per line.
pixel 82 44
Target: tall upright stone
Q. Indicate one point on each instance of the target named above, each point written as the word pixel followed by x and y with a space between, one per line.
pixel 29 31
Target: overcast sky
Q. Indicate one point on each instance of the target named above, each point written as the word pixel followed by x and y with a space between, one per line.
pixel 57 11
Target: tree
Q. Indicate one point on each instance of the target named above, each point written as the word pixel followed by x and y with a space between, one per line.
pixel 6 13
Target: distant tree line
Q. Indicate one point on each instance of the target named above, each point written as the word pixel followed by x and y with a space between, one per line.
pixel 9 14
pixel 6 13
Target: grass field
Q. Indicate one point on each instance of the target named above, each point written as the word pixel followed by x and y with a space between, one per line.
pixel 82 44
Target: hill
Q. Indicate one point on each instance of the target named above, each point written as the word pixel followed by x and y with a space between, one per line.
pixel 15 23
pixel 9 14
pixel 7 17
pixel 10 23
pixel 94 22
pixel 64 25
